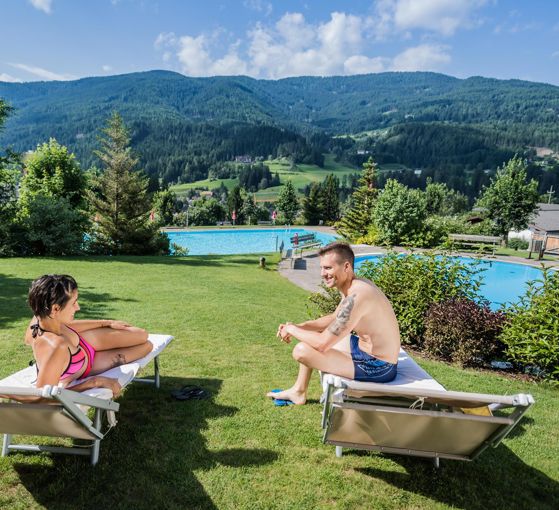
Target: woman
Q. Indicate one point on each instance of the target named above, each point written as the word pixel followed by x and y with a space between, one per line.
pixel 67 350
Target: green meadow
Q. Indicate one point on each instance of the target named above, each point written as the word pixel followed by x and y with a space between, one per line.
pixel 237 450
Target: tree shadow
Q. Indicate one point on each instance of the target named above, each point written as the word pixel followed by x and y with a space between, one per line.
pixel 14 307
pixel 498 479
pixel 148 461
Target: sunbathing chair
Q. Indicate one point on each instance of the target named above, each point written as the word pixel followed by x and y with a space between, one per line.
pixel 415 415
pixel 68 416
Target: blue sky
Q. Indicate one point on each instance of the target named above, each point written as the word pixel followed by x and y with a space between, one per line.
pixel 70 39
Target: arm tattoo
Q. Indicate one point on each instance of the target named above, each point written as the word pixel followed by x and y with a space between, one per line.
pixel 341 320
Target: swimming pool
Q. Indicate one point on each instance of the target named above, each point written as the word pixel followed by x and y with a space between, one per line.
pixel 236 241
pixel 502 282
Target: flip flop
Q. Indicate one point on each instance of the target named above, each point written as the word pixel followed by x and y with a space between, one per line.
pixel 280 402
pixel 190 393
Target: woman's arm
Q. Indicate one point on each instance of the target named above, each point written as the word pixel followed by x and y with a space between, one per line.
pixel 85 325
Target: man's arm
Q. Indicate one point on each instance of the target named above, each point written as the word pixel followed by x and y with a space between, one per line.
pixel 319 324
pixel 346 317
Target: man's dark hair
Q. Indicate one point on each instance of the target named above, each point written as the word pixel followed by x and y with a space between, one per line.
pixel 342 250
pixel 50 290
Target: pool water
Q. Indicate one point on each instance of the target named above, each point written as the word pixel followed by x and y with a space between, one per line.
pixel 502 282
pixel 234 241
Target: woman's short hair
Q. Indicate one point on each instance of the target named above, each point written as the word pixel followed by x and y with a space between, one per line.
pixel 50 290
pixel 342 250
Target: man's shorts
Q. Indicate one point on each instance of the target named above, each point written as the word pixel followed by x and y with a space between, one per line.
pixel 368 368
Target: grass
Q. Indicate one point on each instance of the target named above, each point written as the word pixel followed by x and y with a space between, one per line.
pixel 305 174
pixel 238 450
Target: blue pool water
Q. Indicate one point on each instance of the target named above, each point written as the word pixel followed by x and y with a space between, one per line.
pixel 231 242
pixel 502 282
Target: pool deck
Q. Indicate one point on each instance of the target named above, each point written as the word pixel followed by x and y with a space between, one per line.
pixel 306 272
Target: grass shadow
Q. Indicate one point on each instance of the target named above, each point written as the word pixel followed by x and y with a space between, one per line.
pixel 149 460
pixel 14 307
pixel 493 480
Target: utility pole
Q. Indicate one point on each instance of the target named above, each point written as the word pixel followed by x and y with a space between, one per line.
pixel 550 193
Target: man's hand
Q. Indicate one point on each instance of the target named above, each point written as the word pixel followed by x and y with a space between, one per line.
pixel 283 334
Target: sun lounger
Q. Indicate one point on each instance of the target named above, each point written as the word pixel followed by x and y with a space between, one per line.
pixel 415 415
pixel 68 416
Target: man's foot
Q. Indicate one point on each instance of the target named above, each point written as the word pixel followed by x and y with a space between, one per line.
pixel 297 397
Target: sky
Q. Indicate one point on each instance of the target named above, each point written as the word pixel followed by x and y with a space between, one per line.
pixel 72 39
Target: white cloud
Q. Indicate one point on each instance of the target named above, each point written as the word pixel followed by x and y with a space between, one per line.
pixel 44 74
pixel 42 5
pixel 294 47
pixel 106 68
pixel 9 78
pixel 425 57
pixel 359 64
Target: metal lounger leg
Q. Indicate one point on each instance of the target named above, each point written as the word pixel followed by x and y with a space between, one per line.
pixel 6 444
pixel 338 451
pixel 97 443
pixel 156 365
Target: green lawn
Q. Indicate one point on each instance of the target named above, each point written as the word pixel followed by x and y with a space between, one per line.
pixel 305 174
pixel 237 450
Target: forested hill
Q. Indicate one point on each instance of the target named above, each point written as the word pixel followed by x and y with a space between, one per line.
pixel 168 109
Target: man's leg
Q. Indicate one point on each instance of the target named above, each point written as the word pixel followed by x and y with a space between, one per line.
pixel 333 361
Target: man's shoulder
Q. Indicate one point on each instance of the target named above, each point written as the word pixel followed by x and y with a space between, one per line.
pixel 363 288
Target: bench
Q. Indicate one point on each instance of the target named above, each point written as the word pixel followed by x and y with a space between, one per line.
pixel 478 241
pixel 260 222
pixel 304 242
pixel 67 415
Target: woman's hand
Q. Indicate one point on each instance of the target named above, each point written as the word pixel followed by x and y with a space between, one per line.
pixel 107 382
pixel 118 325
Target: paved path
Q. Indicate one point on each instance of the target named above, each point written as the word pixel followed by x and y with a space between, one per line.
pixel 306 272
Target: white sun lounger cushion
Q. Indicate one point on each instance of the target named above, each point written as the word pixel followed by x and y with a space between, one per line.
pixel 409 375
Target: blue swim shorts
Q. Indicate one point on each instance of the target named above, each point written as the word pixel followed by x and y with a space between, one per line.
pixel 368 368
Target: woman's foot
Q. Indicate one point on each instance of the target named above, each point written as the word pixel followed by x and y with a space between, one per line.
pixel 297 397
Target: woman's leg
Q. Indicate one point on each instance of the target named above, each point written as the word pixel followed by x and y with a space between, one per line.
pixel 105 360
pixel 103 339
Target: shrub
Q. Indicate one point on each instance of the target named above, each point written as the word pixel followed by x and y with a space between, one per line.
pixel 531 336
pixel 464 331
pixel 324 302
pixel 517 244
pixel 413 283
pixel 53 227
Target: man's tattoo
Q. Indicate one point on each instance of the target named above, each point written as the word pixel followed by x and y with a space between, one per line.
pixel 343 316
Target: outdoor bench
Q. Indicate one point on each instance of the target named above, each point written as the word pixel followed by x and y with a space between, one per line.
pixel 67 415
pixel 475 240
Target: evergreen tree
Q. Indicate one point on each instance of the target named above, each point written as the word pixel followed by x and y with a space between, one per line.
pixel 288 203
pixel 250 210
pixel 330 200
pixel 510 200
pixel 235 203
pixel 312 209
pixel 120 200
pixel 359 216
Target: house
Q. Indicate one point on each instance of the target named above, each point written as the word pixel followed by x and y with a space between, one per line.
pixel 545 226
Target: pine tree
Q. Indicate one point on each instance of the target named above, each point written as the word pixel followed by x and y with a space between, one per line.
pixel 356 221
pixel 120 200
pixel 311 205
pixel 330 200
pixel 288 203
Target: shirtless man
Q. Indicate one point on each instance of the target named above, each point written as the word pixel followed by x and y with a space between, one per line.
pixel 372 355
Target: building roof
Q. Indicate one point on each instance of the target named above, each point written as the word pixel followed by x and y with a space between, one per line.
pixel 547 219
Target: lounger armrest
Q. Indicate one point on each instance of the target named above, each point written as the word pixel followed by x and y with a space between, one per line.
pixel 55 392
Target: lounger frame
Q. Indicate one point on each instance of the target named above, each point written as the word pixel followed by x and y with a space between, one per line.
pixel 380 410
